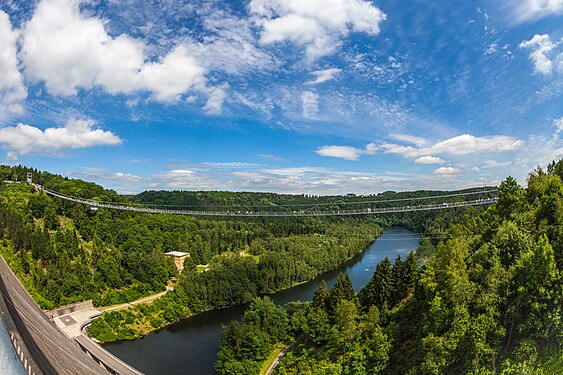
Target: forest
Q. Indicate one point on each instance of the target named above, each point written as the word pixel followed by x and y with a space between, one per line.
pixel 487 300
pixel 64 252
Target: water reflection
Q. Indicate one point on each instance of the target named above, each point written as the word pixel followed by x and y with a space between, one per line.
pixel 191 346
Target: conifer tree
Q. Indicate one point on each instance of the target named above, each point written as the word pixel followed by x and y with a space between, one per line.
pixel 410 271
pixel 321 296
pixel 399 290
pixel 379 288
pixel 342 290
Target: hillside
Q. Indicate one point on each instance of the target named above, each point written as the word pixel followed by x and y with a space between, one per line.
pixel 488 301
pixel 64 252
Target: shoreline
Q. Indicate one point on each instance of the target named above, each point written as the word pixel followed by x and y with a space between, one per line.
pixel 145 333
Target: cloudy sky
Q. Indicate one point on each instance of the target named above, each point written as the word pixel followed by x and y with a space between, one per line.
pixel 315 96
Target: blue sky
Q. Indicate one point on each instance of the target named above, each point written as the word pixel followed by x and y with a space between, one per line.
pixel 316 96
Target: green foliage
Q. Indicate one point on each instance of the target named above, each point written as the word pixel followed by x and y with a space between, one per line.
pixel 346 320
pixel 379 288
pixel 341 291
pixel 320 298
pixel 271 319
pixel 244 346
pixel 489 300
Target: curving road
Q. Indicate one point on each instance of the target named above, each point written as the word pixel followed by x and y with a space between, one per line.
pixel 41 346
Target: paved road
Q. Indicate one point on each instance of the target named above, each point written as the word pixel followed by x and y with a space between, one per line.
pixel 71 324
pixel 106 357
pixel 46 350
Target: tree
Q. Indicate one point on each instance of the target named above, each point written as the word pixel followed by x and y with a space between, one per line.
pixel 346 320
pixel 511 243
pixel 356 364
pixel 399 289
pixel 556 168
pixel 410 271
pixel 320 330
pixel 271 319
pixel 426 248
pixel 342 290
pixel 377 350
pixel 321 296
pixel 379 288
pixel 509 198
pixel 50 217
pixel 534 309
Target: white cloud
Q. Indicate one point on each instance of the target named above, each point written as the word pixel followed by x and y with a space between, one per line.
pixel 120 176
pixel 558 124
pixel 310 101
pixel 175 74
pixel 308 180
pixel 323 76
pixel 466 144
pixel 271 157
pixel 192 167
pixel 69 51
pixel 318 25
pixel 346 152
pixel 492 49
pixel 542 47
pixel 214 104
pixel 294 171
pixel 122 182
pixel 12 155
pixel 526 10
pixel 230 45
pixel 447 171
pixel 496 164
pixel 410 139
pixel 77 133
pixel 460 145
pixel 429 160
pixel 342 152
pixel 12 89
pixel 183 179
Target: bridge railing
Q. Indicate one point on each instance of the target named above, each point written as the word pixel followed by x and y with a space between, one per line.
pixel 253 213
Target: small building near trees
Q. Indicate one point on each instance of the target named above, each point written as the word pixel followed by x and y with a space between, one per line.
pixel 178 257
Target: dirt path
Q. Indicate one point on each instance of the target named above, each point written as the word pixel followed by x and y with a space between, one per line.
pixel 278 359
pixel 136 302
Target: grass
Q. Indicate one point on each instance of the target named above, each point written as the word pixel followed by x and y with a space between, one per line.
pixel 202 268
pixel 266 365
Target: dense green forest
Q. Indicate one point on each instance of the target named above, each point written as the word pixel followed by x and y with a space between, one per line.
pixel 488 301
pixel 64 252
pixel 264 202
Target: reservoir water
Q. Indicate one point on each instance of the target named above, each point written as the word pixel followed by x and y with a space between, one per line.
pixel 191 346
pixel 9 361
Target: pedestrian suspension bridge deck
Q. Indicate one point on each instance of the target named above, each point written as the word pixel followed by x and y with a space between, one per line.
pixel 368 209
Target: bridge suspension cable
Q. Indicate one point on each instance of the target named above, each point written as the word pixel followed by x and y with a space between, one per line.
pixel 257 213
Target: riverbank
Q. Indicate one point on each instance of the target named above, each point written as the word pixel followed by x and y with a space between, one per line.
pixel 191 345
pixel 138 321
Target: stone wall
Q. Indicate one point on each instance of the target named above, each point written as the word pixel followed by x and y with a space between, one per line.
pixel 69 309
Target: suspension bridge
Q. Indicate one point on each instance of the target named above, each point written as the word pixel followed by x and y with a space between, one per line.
pixel 368 207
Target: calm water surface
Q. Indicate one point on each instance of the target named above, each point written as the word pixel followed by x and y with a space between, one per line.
pixel 191 346
pixel 9 361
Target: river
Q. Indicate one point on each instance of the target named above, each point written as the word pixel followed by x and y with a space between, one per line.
pixel 191 346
